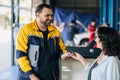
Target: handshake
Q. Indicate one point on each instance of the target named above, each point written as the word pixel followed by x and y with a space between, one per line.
pixel 68 55
pixel 76 56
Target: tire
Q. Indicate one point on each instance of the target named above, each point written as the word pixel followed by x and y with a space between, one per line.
pixel 83 41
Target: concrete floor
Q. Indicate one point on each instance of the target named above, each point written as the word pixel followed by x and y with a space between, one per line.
pixel 70 69
pixel 73 70
pixel 9 73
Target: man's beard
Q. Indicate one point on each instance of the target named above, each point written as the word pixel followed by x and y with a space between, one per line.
pixel 46 23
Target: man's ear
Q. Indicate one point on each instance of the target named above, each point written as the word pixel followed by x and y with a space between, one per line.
pixel 37 14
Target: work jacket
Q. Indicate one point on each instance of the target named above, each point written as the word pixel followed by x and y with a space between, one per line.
pixel 30 46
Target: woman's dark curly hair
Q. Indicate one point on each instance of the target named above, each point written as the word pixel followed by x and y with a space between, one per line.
pixel 110 40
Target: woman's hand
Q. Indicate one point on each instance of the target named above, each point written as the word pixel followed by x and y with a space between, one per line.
pixel 79 57
pixel 75 55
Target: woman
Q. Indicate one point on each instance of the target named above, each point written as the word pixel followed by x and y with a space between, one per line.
pixel 91 29
pixel 107 65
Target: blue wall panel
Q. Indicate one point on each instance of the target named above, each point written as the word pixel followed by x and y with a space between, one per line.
pixel 109 13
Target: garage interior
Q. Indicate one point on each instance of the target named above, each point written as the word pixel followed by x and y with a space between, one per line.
pixel 108 11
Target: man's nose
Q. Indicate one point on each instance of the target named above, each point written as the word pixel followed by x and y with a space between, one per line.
pixel 50 17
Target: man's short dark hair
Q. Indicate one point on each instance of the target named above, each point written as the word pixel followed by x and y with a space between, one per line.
pixel 41 6
pixel 93 20
pixel 73 21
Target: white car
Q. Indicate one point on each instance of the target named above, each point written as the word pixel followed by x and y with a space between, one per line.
pixel 82 38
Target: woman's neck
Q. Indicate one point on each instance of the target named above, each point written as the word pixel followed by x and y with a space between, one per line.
pixel 100 58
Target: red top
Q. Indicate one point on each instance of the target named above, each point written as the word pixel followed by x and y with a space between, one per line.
pixel 91 30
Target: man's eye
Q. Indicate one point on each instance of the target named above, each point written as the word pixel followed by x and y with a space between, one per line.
pixel 49 15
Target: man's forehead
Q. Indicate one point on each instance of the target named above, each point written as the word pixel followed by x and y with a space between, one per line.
pixel 47 10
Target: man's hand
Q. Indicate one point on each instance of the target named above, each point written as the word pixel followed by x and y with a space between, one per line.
pixel 34 77
pixel 65 56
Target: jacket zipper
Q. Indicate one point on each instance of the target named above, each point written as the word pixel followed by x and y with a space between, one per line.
pixel 54 75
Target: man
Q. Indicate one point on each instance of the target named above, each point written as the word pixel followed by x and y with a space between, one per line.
pixel 39 46
pixel 72 29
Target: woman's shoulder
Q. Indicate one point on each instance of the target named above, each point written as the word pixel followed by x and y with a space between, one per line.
pixel 113 59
